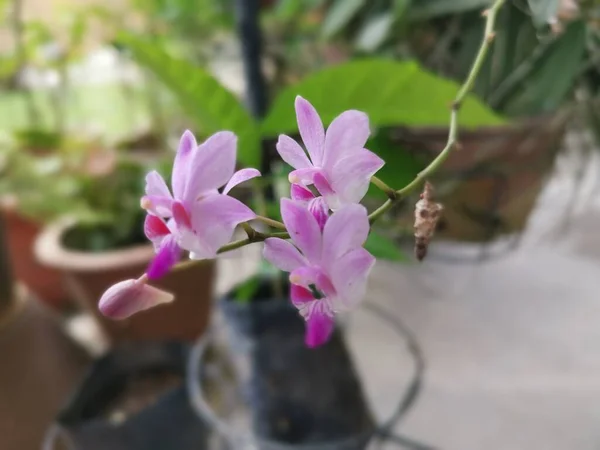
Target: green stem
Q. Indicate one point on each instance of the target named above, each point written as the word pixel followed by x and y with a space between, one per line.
pixel 272 223
pixel 391 193
pixel 452 142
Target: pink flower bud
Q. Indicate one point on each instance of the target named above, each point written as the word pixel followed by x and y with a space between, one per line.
pixel 319 209
pixel 129 297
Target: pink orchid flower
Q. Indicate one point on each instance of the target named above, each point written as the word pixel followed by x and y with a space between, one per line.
pixel 337 163
pixel 199 218
pixel 328 268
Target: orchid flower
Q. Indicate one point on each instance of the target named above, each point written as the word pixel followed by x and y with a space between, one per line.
pixel 199 218
pixel 328 268
pixel 337 163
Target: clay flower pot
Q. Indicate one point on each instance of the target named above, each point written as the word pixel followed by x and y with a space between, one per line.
pixel 44 281
pixel 490 186
pixel 88 275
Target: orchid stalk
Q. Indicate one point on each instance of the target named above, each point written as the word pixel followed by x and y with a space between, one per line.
pixel 320 241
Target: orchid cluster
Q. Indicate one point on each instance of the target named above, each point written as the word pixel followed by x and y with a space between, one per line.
pixel 325 223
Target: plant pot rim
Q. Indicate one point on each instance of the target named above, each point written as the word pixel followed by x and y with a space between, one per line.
pixel 49 250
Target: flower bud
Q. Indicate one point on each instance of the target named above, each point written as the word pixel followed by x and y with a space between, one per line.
pixel 319 209
pixel 129 297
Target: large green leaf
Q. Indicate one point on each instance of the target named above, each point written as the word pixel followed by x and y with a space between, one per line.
pixel 210 105
pixel 390 92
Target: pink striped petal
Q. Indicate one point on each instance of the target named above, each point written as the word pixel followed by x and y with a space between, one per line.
pixel 291 152
pixel 129 297
pixel 349 276
pixel 214 219
pixel 319 327
pixel 187 145
pixel 301 193
pixel 283 255
pixel 351 176
pixel 239 177
pixel 349 131
pixel 300 296
pixel 346 229
pixel 168 255
pixel 211 165
pixel 303 228
pixel 311 129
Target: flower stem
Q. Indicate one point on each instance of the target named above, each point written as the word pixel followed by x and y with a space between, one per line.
pixel 272 223
pixel 391 193
pixel 452 142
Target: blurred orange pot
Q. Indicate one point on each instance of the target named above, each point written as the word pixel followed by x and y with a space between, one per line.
pixel 44 281
pixel 88 275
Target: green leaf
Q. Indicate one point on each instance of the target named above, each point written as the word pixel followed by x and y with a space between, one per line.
pixel 375 32
pixel 426 9
pixel 338 16
pixel 384 248
pixel 210 105
pixel 543 10
pixel 553 78
pixel 390 92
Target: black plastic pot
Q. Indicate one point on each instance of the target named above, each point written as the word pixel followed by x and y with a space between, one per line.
pixel 166 423
pixel 298 395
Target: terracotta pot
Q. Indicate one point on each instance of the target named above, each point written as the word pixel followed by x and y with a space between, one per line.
pixel 40 366
pixel 45 282
pixel 88 275
pixel 490 186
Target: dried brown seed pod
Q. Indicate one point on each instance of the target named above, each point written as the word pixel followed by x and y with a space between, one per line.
pixel 427 214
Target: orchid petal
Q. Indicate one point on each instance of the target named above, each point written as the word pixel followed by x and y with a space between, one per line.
pixel 167 256
pixel 311 129
pixel 156 185
pixel 283 255
pixel 325 189
pixel 303 176
pixel 291 152
pixel 128 297
pixel 158 205
pixel 214 218
pixel 300 296
pixel 239 177
pixel 301 193
pixel 181 166
pixel 345 230
pixel 306 276
pixel 349 276
pixel 181 216
pixel 303 228
pixel 211 165
pixel 348 131
pixel 351 176
pixel 319 327
pixel 155 230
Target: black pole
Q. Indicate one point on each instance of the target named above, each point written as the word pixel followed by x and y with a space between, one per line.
pixel 250 36
pixel 6 280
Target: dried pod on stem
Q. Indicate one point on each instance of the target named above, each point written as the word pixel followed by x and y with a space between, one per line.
pixel 427 214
